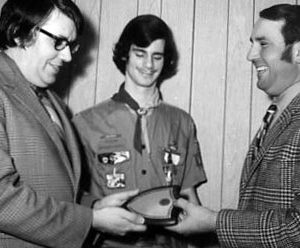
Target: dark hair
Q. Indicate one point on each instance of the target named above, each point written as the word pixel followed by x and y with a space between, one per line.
pixel 142 31
pixel 19 18
pixel 290 14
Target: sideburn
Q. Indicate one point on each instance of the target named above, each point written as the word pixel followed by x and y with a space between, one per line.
pixel 287 53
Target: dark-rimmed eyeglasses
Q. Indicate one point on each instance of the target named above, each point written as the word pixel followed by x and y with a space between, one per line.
pixel 60 43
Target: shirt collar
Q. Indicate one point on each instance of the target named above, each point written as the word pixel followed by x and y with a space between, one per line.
pixel 283 100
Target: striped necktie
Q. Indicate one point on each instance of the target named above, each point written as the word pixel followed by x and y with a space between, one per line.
pixel 265 125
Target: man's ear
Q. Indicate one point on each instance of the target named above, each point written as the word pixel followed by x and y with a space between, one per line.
pixel 26 42
pixel 296 52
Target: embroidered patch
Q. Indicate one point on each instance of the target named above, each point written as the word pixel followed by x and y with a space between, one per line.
pixel 115 180
pixel 113 158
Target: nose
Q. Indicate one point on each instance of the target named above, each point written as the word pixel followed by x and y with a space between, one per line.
pixel 148 62
pixel 66 54
pixel 253 53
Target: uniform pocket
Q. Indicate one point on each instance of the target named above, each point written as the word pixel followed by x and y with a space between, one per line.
pixel 113 161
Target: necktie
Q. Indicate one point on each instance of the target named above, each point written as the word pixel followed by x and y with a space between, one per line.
pixel 45 101
pixel 48 106
pixel 267 119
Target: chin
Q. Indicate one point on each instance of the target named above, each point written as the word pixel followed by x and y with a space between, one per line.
pixel 261 84
pixel 48 83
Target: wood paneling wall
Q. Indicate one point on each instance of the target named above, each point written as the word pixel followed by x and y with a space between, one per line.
pixel 215 82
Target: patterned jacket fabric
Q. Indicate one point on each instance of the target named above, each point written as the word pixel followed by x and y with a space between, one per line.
pixel 38 177
pixel 268 214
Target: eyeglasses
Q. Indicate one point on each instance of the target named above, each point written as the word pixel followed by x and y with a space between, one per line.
pixel 60 43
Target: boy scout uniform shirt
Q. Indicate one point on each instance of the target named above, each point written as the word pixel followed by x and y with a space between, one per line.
pixel 107 132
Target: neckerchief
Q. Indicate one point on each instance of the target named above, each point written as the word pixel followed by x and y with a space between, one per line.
pixel 124 97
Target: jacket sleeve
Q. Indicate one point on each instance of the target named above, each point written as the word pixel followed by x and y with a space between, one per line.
pixel 33 216
pixel 273 218
pixel 273 228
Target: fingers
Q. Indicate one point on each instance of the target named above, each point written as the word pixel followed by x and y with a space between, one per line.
pixel 138 228
pixel 117 221
pixel 116 199
pixel 132 217
pixel 136 222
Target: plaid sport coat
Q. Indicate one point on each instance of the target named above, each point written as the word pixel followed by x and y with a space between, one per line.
pixel 38 177
pixel 268 213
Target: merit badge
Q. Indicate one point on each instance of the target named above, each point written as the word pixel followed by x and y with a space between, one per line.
pixel 115 180
pixel 171 156
pixel 171 159
pixel 113 158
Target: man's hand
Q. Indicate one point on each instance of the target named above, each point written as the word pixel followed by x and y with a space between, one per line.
pixel 117 221
pixel 115 200
pixel 194 219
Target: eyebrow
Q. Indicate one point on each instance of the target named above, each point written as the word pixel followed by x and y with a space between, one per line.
pixel 258 38
pixel 62 37
pixel 139 49
pixel 55 36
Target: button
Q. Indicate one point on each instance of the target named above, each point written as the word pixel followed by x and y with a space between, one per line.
pixel 144 172
pixel 143 146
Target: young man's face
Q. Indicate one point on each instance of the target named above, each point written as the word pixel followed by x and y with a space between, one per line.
pixel 145 64
pixel 44 62
pixel 274 74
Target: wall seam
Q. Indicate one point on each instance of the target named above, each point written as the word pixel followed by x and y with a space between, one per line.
pixel 97 63
pixel 224 110
pixel 192 59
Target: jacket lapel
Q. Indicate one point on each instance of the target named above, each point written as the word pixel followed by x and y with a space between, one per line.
pixel 19 88
pixel 254 159
pixel 71 139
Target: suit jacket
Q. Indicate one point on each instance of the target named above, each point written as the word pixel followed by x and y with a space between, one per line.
pixel 39 177
pixel 268 214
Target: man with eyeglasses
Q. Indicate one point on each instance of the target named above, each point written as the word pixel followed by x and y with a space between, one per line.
pixel 61 42
pixel 39 156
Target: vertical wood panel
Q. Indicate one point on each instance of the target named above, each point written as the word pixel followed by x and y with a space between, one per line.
pixel 238 93
pixel 207 109
pixel 149 7
pixel 215 82
pixel 85 62
pixel 177 89
pixel 115 15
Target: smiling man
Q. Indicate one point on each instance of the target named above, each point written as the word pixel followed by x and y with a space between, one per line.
pixel 135 140
pixel 277 69
pixel 268 213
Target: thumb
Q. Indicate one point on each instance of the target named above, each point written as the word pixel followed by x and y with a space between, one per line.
pixel 128 194
pixel 181 203
pixel 131 193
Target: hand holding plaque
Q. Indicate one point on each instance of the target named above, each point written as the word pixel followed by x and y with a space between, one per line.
pixel 156 205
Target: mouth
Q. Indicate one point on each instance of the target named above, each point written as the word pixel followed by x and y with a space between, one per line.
pixel 147 73
pixel 56 68
pixel 261 70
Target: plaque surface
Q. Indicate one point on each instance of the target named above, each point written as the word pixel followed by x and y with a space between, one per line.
pixel 156 205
